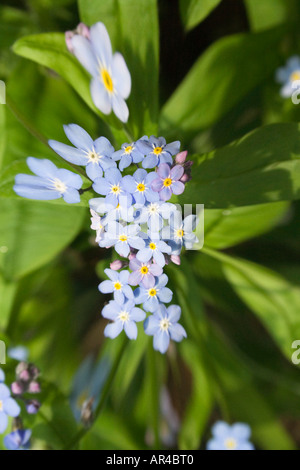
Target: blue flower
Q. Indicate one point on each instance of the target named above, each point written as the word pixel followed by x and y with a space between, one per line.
pixel 123 317
pixel 180 232
pixel 122 238
pixel 139 185
pixel 152 297
pixel 118 285
pixel 19 353
pixel 112 186
pixel 143 273
pixel 111 82
pixel 157 151
pixel 288 75
pixel 167 181
pixel 163 326
pixel 154 214
pixel 49 183
pixel 98 224
pixel 154 249
pixel 88 383
pixel 226 437
pixel 2 376
pixel 18 440
pixel 121 212
pixel 127 155
pixel 94 155
pixel 8 407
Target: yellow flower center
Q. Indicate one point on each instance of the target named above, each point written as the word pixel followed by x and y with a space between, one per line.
pixel 116 189
pixel 107 80
pixel 152 246
pixel 230 444
pixel 128 149
pixel 1 405
pixel 167 182
pixel 164 324
pixel 124 316
pixel 144 270
pixel 123 238
pixel 157 150
pixel 117 286
pixel 152 292
pixel 179 233
pixel 141 187
pixel 59 186
pixel 295 76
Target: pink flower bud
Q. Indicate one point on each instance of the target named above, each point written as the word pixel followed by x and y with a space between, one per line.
pixel 68 37
pixel 34 387
pixel 185 178
pixel 17 388
pixel 176 259
pixel 131 256
pixel 116 265
pixel 181 157
pixel 83 30
pixel 24 376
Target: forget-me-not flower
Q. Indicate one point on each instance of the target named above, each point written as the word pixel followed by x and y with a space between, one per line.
pixel 18 440
pixel 48 183
pixel 163 326
pixel 154 214
pixel 180 233
pixel 288 75
pixel 139 185
pixel 98 224
pixel 167 181
pixel 118 285
pixel 94 155
pixel 112 186
pixel 143 273
pixel 8 407
pixel 157 151
pixel 111 82
pixel 122 238
pixel 226 437
pixel 155 249
pixel 124 317
pixel 127 155
pixel 152 297
pixel 121 212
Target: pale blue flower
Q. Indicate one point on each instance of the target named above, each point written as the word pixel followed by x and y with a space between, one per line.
pixel 167 181
pixel 98 224
pixel 288 76
pixel 143 273
pixel 180 233
pixel 157 151
pixel 154 214
pixel 8 407
pixel 155 249
pixel 139 185
pixel 124 317
pixel 111 82
pixel 49 183
pixel 18 440
pixel 94 155
pixel 127 155
pixel 121 212
pixel 226 437
pixel 19 353
pixel 151 298
pixel 118 285
pixel 163 326
pixel 112 186
pixel 122 238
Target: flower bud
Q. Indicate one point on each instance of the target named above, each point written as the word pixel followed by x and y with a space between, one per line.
pixel 116 265
pixel 17 388
pixel 32 407
pixel 185 178
pixel 181 157
pixel 24 376
pixel 81 30
pixel 176 259
pixel 34 387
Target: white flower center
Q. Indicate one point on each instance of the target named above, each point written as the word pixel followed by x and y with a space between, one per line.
pixel 153 209
pixel 93 156
pixel 59 185
pixel 124 316
pixel 164 324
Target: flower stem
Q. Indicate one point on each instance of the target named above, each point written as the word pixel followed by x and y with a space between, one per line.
pixel 105 392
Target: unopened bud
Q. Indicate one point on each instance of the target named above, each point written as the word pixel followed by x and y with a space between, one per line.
pixel 176 259
pixel 34 387
pixel 32 407
pixel 116 265
pixel 24 376
pixel 81 30
pixel 181 157
pixel 17 388
pixel 185 178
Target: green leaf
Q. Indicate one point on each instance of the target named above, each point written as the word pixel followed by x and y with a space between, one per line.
pixel 262 167
pixel 7 295
pixel 34 233
pixel 195 11
pixel 229 70
pixel 141 52
pixel 226 228
pixel 264 14
pixel 275 301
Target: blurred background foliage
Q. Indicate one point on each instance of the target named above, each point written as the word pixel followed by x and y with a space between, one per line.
pixel 203 72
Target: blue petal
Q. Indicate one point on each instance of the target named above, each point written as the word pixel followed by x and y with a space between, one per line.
pixel 121 76
pixel 131 330
pixel 79 137
pixel 165 295
pixel 113 330
pixel 161 341
pixel 84 53
pixel 100 96
pixel 71 196
pixel 93 171
pixel 101 44
pixel 120 108
pixel 11 407
pixel 106 287
pixel 42 168
pixel 70 154
pixel 150 161
pixel 37 194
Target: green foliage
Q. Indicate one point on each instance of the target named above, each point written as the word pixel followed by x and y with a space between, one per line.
pixel 193 11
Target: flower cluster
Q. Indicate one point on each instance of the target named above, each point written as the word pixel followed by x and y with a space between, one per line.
pixel 26 383
pixel 289 77
pixel 133 214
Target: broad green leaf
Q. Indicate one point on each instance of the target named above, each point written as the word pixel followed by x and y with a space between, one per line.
pixel 275 301
pixel 34 233
pixel 262 167
pixel 141 52
pixel 7 295
pixel 226 228
pixel 264 14
pixel 195 11
pixel 229 70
